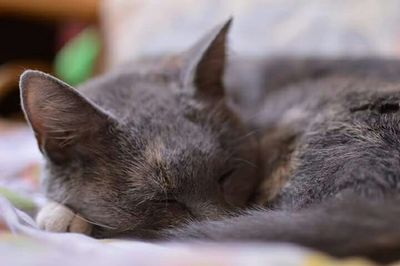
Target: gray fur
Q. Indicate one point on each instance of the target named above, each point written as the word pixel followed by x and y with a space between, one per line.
pixel 161 143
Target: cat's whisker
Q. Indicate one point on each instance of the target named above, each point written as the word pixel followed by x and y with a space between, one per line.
pixel 65 200
pixel 141 202
pixel 245 161
pixel 246 136
pixel 96 223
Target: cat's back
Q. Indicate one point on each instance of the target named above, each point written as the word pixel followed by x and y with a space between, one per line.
pixel 281 85
pixel 332 132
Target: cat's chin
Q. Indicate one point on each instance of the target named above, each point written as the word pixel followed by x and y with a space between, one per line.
pixel 55 217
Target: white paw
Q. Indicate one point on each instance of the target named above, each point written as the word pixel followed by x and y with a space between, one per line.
pixel 56 217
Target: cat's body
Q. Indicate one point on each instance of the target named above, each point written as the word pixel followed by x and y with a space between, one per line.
pixel 329 115
pixel 152 146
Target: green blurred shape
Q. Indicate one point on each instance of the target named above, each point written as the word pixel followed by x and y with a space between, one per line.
pixel 75 62
pixel 21 202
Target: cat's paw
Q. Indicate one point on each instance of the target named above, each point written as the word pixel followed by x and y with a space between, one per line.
pixel 56 217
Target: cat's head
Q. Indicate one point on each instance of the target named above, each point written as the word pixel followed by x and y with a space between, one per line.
pixel 139 151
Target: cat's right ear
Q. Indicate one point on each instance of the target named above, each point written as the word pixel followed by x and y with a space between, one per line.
pixel 204 63
pixel 65 123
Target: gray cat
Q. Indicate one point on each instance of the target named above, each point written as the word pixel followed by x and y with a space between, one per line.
pixel 160 148
pixel 146 147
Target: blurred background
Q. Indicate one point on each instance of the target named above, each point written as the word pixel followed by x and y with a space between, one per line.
pixel 77 39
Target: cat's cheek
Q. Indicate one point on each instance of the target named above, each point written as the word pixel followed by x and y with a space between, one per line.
pixel 172 215
pixel 238 188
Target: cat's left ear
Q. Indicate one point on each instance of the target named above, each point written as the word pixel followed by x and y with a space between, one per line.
pixel 65 122
pixel 205 62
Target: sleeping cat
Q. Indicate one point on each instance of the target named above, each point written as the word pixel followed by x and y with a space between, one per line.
pixel 140 150
pixel 161 149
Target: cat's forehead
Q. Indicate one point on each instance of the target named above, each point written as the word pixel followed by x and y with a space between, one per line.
pixel 128 95
pixel 160 166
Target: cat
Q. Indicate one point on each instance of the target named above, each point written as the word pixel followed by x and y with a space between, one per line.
pixel 139 150
pixel 162 149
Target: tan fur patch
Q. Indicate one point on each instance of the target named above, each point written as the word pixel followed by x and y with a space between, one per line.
pixel 153 152
pixel 154 156
pixel 277 151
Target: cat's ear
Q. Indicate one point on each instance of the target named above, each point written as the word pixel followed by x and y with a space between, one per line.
pixel 205 62
pixel 65 122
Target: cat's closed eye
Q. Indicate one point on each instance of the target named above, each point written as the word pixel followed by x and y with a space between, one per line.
pixel 173 206
pixel 165 201
pixel 382 108
pixel 388 108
